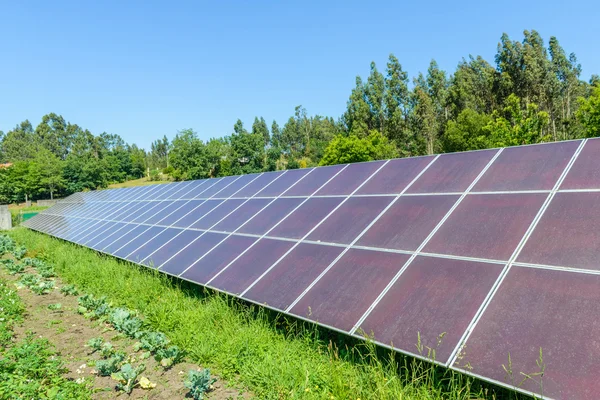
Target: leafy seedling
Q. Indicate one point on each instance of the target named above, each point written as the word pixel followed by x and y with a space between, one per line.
pixel 125 322
pixel 69 290
pixel 54 307
pixel 169 356
pixel 19 252
pixel 12 267
pixel 110 366
pixel 127 377
pixel 152 341
pixel 43 287
pixel 95 343
pixel 29 280
pixel 107 350
pixel 199 383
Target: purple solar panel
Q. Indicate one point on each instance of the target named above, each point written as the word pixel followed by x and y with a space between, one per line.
pixel 241 215
pixel 217 213
pixel 350 178
pixel 197 209
pixel 196 248
pixel 246 269
pixel 288 279
pixel 407 223
pixel 260 183
pixel 318 178
pixel 153 244
pixel 567 234
pixel 534 309
pixel 452 172
pixel 348 221
pixel 173 253
pixel 585 172
pixel 279 186
pixel 400 249
pixel 435 298
pixel 487 225
pixel 347 290
pixel 267 218
pixel 395 176
pixel 527 168
pixel 306 217
pixel 213 262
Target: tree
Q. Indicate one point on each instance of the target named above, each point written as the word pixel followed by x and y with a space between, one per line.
pixel 375 94
pixel 467 132
pixel 246 150
pixel 358 113
pixel 514 126
pixel 348 149
pixel 51 170
pixel 397 101
pixel 259 127
pixel 188 156
pixel 53 135
pixel 589 113
pixel 424 121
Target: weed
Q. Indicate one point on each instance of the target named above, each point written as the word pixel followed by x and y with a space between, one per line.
pixel 127 377
pixel 199 383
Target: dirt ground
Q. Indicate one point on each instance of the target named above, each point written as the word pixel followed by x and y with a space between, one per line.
pixel 69 332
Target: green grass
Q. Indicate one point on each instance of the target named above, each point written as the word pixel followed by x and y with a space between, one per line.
pixel 30 368
pixel 272 355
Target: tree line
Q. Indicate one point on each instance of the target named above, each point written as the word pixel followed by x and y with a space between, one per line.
pixel 532 93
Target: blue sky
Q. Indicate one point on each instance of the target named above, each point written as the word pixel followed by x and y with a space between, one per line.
pixel 146 69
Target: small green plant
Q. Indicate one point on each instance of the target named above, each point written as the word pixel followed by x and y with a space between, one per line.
pixel 109 366
pixel 95 343
pixel 54 307
pixel 7 244
pixel 12 267
pixel 107 350
pixel 19 252
pixel 91 307
pixel 29 280
pixel 127 377
pixel 124 321
pixel 169 356
pixel 43 287
pixel 69 290
pixel 152 341
pixel 199 383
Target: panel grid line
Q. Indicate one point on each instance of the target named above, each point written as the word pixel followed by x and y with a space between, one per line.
pixel 456 352
pixel 304 240
pixel 423 244
pixel 262 236
pixel 226 186
pixel 219 221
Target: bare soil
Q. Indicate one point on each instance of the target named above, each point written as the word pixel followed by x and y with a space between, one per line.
pixel 69 332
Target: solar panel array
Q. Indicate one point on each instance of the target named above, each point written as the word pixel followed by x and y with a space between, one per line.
pixel 481 253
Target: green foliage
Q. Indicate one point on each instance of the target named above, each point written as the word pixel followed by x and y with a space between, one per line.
pixel 169 356
pixel 348 149
pixel 54 307
pixel 126 322
pixel 7 244
pixel 152 341
pixel 110 365
pixel 30 280
pixel 92 307
pixel 589 113
pixel 127 377
pixel 43 287
pixel 95 343
pixel 12 267
pixel 19 252
pixel 199 383
pixel 467 132
pixel 69 290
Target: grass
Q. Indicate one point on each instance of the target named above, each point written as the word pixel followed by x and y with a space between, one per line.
pixel 30 368
pixel 137 182
pixel 272 355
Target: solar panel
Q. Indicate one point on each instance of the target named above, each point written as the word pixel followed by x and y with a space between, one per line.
pixel 478 254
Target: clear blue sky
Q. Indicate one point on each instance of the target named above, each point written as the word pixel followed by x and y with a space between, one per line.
pixel 146 69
